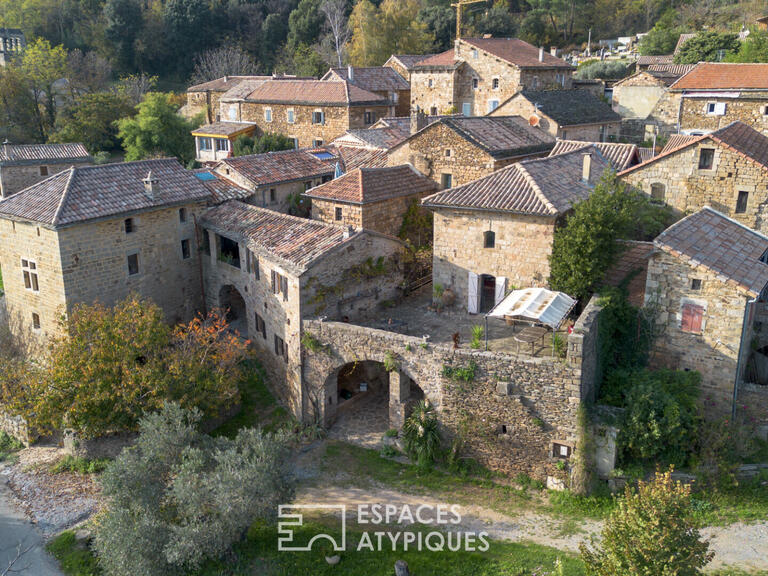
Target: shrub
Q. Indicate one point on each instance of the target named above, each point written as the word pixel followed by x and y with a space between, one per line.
pixel 421 436
pixel 560 345
pixel 477 336
pixel 390 362
pixel 460 373
pixel 8 445
pixel 310 342
pixel 79 465
pixel 604 70
pixel 180 497
pixel 651 531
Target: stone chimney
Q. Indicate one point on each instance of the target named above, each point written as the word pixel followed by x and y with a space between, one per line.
pixel 553 51
pixel 349 231
pixel 226 79
pixel 541 53
pixel 150 185
pixel 418 120
pixel 586 169
pixel 351 74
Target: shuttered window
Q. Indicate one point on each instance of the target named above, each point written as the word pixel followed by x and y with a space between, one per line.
pixel 693 317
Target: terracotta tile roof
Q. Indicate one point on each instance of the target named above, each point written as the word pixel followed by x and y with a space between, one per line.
pixel 445 59
pixel 724 76
pixel 631 270
pixel 737 136
pixel 671 69
pixel 650 60
pixel 571 107
pixel 276 167
pixel 314 92
pixel 354 157
pixel 621 156
pixel 644 154
pixel 91 192
pixel 221 188
pixel 224 83
pixel 224 128
pixel 517 52
pixel 11 154
pixel 409 60
pixel 294 241
pixel 381 138
pixel 682 40
pixel 373 79
pixel 544 186
pixel 369 185
pixel 724 246
pixel 499 136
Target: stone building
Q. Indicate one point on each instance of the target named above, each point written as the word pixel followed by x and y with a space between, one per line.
pixel 715 94
pixel 620 155
pixel 311 112
pixel 566 114
pixel 12 44
pixel 272 270
pixel 706 287
pixel 646 104
pixel 645 62
pixel 726 169
pixel 22 165
pixel 404 63
pixel 497 232
pixel 276 180
pixel 371 198
pixel 382 80
pixel 214 142
pixel 455 150
pixel 99 233
pixel 478 74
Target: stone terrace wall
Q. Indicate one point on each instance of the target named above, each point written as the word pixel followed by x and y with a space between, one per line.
pixel 507 416
pixel 16 427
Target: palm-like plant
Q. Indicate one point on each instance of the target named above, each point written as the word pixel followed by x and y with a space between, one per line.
pixel 421 435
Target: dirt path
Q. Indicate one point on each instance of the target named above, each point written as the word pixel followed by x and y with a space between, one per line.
pixel 739 545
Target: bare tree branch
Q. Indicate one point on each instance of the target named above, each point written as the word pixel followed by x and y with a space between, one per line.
pixel 20 552
pixel 223 61
pixel 336 16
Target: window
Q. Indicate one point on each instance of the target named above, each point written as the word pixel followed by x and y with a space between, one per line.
pixel 535 83
pixel 318 117
pixel 658 191
pixel 130 226
pixel 290 116
pixel 35 321
pixel 446 180
pixel 133 264
pixel 317 142
pixel 495 83
pixel 692 318
pixel 475 83
pixel 466 109
pixel 206 242
pixel 474 53
pixel 295 141
pixel 261 328
pixel 182 214
pixel 369 117
pixel 222 144
pixel 706 158
pixel 448 152
pixel 280 348
pixel 741 202
pixel 433 111
pixel 561 451
pixel 205 143
pixel 268 114
pixel 272 195
pixel 489 239
pixel 716 108
pixel 43 170
pixel 253 264
pixel 229 251
pixel 492 105
pixel 307 185
pixel 430 83
pixel 279 284
pixel 185 253
pixel 233 112
pixel 338 214
pixel 695 283
pixel 29 272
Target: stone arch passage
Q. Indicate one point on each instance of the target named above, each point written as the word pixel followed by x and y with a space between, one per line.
pixel 233 303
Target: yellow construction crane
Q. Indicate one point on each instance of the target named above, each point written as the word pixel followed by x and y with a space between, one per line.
pixel 459 5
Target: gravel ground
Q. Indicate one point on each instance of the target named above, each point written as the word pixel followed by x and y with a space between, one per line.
pixel 52 501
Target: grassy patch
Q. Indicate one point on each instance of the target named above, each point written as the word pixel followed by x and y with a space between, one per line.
pixel 566 503
pixel 259 407
pixel 747 502
pixel 8 447
pixel 74 559
pixel 79 465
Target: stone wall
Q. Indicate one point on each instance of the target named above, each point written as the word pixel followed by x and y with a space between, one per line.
pixel 752 405
pixel 749 109
pixel 688 189
pixel 459 241
pixel 714 352
pixel 636 97
pixel 507 417
pixel 16 178
pixel 385 217
pixel 433 91
pixel 16 427
pixel 337 119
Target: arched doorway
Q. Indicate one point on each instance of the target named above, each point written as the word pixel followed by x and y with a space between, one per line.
pixel 232 302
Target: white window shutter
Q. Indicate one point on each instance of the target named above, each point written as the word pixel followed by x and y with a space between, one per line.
pixel 472 296
pixel 501 289
pixel 720 108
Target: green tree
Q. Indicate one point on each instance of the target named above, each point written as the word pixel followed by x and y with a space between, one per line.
pixel 753 49
pixel 498 21
pixel 305 23
pixel 604 70
pixel 245 145
pixel 272 34
pixel 651 531
pixel 441 23
pixel 42 65
pixel 22 120
pixel 708 47
pixel 157 130
pixel 179 497
pixel 533 28
pixel 186 24
pixel 92 120
pixel 123 23
pixel 662 38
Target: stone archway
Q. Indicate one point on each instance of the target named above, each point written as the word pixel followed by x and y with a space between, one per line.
pixel 233 303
